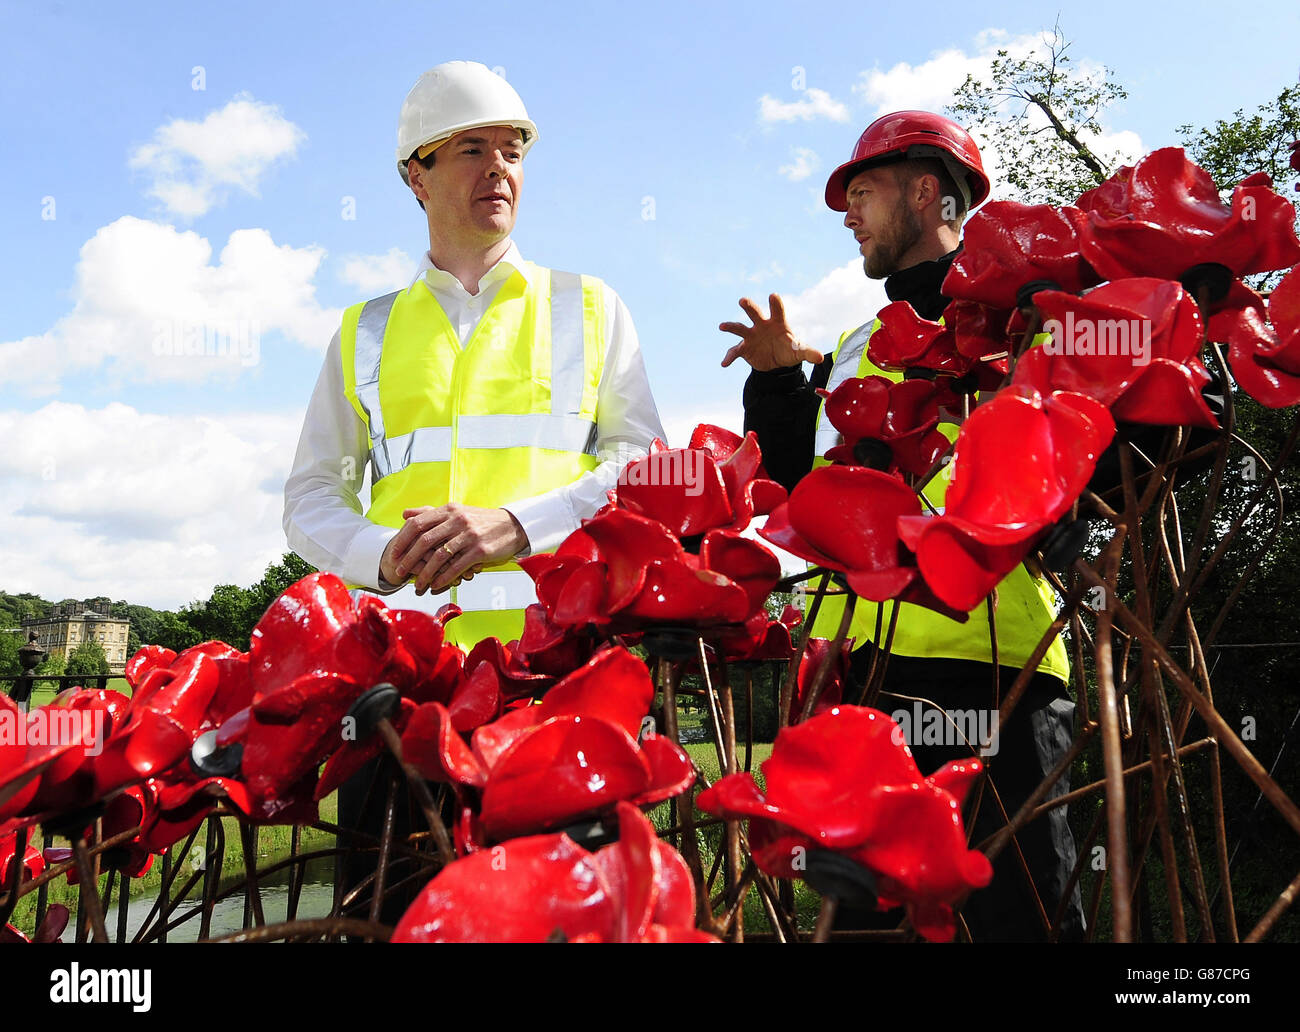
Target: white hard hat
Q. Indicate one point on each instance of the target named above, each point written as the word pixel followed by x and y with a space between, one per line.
pixel 455 96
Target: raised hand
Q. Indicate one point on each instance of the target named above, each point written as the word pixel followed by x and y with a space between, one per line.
pixel 768 343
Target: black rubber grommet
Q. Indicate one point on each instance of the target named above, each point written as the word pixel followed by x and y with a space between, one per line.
pixel 873 453
pixel 381 702
pixel 1025 295
pixel 834 874
pixel 1215 278
pixel 1064 543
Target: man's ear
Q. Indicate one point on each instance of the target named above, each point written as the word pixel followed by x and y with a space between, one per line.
pixel 925 190
pixel 414 173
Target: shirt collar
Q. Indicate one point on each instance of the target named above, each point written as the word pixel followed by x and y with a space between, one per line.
pixel 510 262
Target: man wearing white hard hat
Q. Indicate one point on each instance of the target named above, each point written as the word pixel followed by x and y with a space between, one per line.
pixel 495 400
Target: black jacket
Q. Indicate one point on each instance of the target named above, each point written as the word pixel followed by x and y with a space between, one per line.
pixel 781 405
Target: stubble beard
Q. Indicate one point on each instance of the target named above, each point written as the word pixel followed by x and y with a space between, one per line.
pixel 904 232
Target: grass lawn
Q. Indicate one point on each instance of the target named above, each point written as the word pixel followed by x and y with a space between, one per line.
pixel 40 696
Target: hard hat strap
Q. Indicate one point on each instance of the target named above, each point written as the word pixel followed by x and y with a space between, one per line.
pixel 956 169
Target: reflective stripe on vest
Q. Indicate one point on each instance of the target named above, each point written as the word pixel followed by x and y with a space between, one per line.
pixel 563 429
pixel 848 355
pixel 506 415
pixel 1026 604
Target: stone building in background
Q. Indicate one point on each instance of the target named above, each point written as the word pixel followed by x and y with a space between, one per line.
pixel 70 623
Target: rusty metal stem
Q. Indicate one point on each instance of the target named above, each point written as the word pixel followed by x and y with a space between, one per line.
pixel 832 656
pixel 1284 900
pixel 1116 841
pixel 89 889
pixel 421 791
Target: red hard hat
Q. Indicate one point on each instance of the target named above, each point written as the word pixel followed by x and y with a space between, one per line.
pixel 912 134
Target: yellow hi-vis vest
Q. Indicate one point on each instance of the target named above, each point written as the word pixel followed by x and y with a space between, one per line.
pixel 1026 605
pixel 509 415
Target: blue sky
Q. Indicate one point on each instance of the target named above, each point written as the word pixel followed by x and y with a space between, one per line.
pixel 170 164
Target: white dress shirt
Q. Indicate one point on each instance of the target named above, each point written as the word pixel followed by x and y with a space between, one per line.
pixel 323 518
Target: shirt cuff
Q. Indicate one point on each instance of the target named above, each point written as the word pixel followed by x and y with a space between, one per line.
pixel 547 520
pixel 361 563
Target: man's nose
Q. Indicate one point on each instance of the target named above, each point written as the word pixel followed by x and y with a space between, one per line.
pixel 499 166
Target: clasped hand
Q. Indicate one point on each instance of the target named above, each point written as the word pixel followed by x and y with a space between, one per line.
pixel 441 545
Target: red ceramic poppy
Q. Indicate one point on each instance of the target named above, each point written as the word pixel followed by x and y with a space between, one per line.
pixel 816 652
pixel 1163 216
pixel 33 863
pixel 572 756
pixel 25 754
pixel 161 723
pixel 311 656
pixel 125 811
pixel 845 781
pixel 983 335
pixel 90 719
pixel 904 340
pixel 846 518
pixel 1131 345
pixel 548 648
pixel 682 488
pixel 1263 344
pixel 357 752
pixel 546 888
pixel 761 637
pixel 750 492
pixel 1007 245
pixel 621 572
pixel 715 482
pixel 903 416
pixel 1021 461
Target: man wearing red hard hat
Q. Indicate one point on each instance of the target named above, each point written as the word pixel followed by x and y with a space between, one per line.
pixel 905 191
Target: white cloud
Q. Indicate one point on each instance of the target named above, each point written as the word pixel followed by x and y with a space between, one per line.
pixel 154 509
pixel 376 274
pixel 815 104
pixel 149 305
pixel 805 163
pixel 929 86
pixel 841 300
pixel 194 165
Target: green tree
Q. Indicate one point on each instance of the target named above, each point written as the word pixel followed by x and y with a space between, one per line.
pixel 55 664
pixel 1039 114
pixel 1232 149
pixel 174 632
pixel 10 643
pixel 88 660
pixel 279 576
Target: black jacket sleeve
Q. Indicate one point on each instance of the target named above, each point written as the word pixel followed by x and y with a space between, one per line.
pixel 781 408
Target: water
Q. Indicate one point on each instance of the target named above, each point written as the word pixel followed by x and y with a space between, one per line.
pixel 314 901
